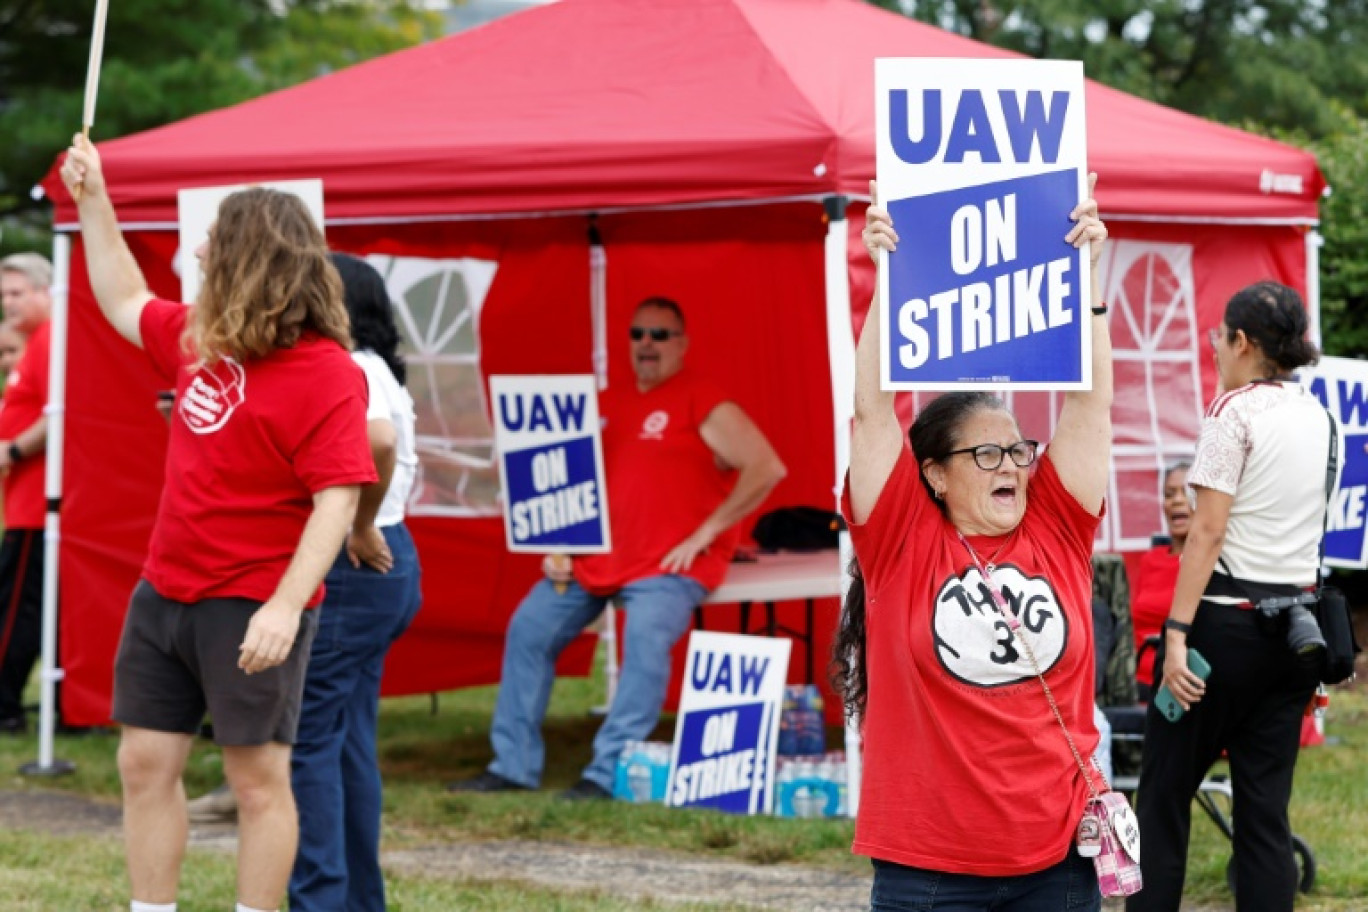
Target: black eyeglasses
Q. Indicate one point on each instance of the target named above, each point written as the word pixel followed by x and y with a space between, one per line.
pixel 657 333
pixel 988 456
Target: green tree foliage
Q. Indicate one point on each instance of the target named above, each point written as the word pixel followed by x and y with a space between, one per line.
pixel 164 60
pixel 1343 156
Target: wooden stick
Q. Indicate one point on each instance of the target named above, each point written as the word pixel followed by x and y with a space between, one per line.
pixel 92 87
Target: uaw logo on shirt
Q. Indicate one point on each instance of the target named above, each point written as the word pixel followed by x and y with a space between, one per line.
pixel 973 641
pixel 213 395
pixel 653 428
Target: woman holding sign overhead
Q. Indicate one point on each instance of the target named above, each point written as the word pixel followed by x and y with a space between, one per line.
pixel 971 794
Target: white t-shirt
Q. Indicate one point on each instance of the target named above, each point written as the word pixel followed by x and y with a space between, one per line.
pixel 1267 444
pixel 391 402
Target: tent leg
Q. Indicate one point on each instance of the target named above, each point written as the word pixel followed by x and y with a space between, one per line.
pixel 50 674
pixel 841 359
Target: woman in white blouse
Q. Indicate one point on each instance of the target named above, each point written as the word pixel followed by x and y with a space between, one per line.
pixel 1259 477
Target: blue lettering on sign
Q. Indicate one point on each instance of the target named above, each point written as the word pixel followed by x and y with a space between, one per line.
pixel 1344 537
pixel 553 494
pixel 1317 388
pixel 981 296
pixel 529 411
pixel 1353 406
pixel 1028 126
pixel 721 760
pixel 713 672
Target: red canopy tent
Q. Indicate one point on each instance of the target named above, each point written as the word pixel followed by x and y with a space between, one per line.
pixel 714 147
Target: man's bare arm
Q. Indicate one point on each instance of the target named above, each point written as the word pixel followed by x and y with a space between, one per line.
pixel 272 630
pixel 738 443
pixel 119 286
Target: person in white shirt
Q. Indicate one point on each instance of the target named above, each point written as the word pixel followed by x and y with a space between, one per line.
pixel 1260 483
pixel 372 593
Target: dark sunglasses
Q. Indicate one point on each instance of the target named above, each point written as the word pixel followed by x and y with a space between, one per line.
pixel 988 456
pixel 657 333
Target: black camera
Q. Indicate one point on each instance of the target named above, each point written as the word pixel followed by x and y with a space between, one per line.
pixel 1303 630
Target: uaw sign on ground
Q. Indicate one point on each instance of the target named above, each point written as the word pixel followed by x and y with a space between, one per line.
pixel 727 728
pixel 980 163
pixel 1341 384
pixel 546 429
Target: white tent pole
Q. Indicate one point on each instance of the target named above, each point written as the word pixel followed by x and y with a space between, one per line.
pixel 598 312
pixel 841 359
pixel 1314 240
pixel 55 411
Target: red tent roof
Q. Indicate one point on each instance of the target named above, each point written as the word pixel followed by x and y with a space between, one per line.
pixel 596 104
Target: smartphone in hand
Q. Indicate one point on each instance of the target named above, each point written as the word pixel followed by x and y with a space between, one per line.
pixel 1168 707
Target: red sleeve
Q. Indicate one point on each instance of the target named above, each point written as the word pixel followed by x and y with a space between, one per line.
pixel 162 323
pixel 38 369
pixel 901 504
pixel 335 451
pixel 706 397
pixel 1052 508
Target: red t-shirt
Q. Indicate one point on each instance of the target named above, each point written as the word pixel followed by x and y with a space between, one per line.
pixel 250 445
pixel 26 395
pixel 1151 598
pixel 663 481
pixel 965 768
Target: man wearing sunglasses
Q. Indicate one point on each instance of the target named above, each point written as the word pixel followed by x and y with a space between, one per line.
pixel 685 465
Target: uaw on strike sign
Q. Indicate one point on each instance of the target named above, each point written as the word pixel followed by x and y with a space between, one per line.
pixel 1341 385
pixel 727 729
pixel 980 163
pixel 546 429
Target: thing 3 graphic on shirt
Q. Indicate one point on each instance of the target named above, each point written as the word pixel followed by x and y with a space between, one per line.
pixel 973 640
pixel 212 396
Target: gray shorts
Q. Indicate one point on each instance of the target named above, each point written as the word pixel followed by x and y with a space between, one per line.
pixel 176 660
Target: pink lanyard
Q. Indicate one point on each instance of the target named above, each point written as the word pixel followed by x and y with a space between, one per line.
pixel 1000 602
pixel 987 573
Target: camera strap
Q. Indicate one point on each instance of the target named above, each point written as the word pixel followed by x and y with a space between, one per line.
pixel 1331 476
pixel 1014 626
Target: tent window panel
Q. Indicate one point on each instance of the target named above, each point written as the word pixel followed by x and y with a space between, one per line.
pixel 437 304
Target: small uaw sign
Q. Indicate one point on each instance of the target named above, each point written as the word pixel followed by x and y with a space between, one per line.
pixel 1341 384
pixel 727 729
pixel 546 429
pixel 980 163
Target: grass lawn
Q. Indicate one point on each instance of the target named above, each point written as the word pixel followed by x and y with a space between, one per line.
pixel 422 748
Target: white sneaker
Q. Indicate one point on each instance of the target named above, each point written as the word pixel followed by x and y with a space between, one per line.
pixel 218 806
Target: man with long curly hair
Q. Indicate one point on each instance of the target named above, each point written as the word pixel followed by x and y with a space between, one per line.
pixel 266 456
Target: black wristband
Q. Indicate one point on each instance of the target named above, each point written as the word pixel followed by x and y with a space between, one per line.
pixel 1100 310
pixel 15 454
pixel 1179 626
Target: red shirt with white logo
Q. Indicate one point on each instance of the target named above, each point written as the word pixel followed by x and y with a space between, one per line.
pixel 250 445
pixel 26 395
pixel 663 482
pixel 965 768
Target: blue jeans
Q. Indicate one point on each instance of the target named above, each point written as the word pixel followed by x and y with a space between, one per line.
pixel 658 610
pixel 334 769
pixel 1068 886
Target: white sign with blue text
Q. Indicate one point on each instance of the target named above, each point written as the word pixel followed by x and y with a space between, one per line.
pixel 727 729
pixel 546 429
pixel 1341 384
pixel 979 164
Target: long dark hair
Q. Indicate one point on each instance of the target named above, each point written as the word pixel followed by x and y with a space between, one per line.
pixel 933 435
pixel 1272 316
pixel 372 314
